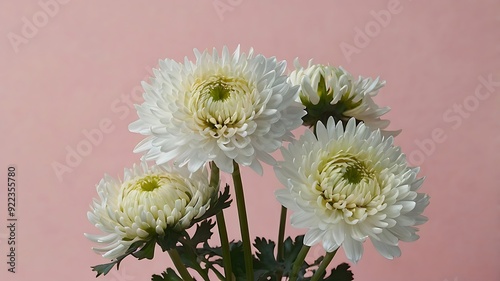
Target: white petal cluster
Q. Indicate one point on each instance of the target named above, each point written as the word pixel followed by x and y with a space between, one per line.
pixel 347 97
pixel 349 184
pixel 147 202
pixel 232 107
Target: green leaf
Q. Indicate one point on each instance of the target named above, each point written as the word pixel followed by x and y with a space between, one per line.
pixel 214 254
pixel 341 273
pixel 190 257
pixel 203 233
pixel 265 254
pixel 170 239
pixel 266 267
pixel 105 268
pixel 237 260
pixel 168 275
pixel 317 262
pixel 291 251
pixel 217 205
pixel 147 251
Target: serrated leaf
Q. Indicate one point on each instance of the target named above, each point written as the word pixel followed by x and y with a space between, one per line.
pixel 266 267
pixel 168 275
pixel 237 260
pixel 147 251
pixel 105 268
pixel 203 233
pixel 221 203
pixel 189 258
pixel 291 251
pixel 237 257
pixel 341 273
pixel 318 261
pixel 265 255
pixel 187 249
pixel 210 251
pixel 170 239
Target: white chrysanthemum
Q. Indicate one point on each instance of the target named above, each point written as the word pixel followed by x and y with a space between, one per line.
pixel 219 108
pixel 350 184
pixel 147 202
pixel 329 91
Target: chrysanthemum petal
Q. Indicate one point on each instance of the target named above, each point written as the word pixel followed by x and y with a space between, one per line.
pixel 330 91
pixel 350 183
pixel 149 201
pixel 221 108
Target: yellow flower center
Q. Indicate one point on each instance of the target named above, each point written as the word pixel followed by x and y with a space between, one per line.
pixel 148 183
pixel 154 193
pixel 218 90
pixel 221 105
pixel 348 188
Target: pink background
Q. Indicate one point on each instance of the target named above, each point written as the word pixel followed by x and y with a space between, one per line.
pixel 81 65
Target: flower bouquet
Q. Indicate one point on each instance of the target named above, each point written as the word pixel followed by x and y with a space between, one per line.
pixel 343 180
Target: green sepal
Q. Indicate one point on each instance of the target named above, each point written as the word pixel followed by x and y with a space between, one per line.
pixel 324 108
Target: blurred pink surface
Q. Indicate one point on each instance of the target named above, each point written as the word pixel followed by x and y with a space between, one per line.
pixel 78 68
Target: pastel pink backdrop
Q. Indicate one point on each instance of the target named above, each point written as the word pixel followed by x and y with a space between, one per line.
pixel 83 62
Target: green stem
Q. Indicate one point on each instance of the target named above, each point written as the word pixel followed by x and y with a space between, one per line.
pixel 214 175
pixel 221 225
pixel 281 235
pixel 324 264
pixel 299 262
pixel 280 254
pixel 181 268
pixel 242 215
pixel 224 240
